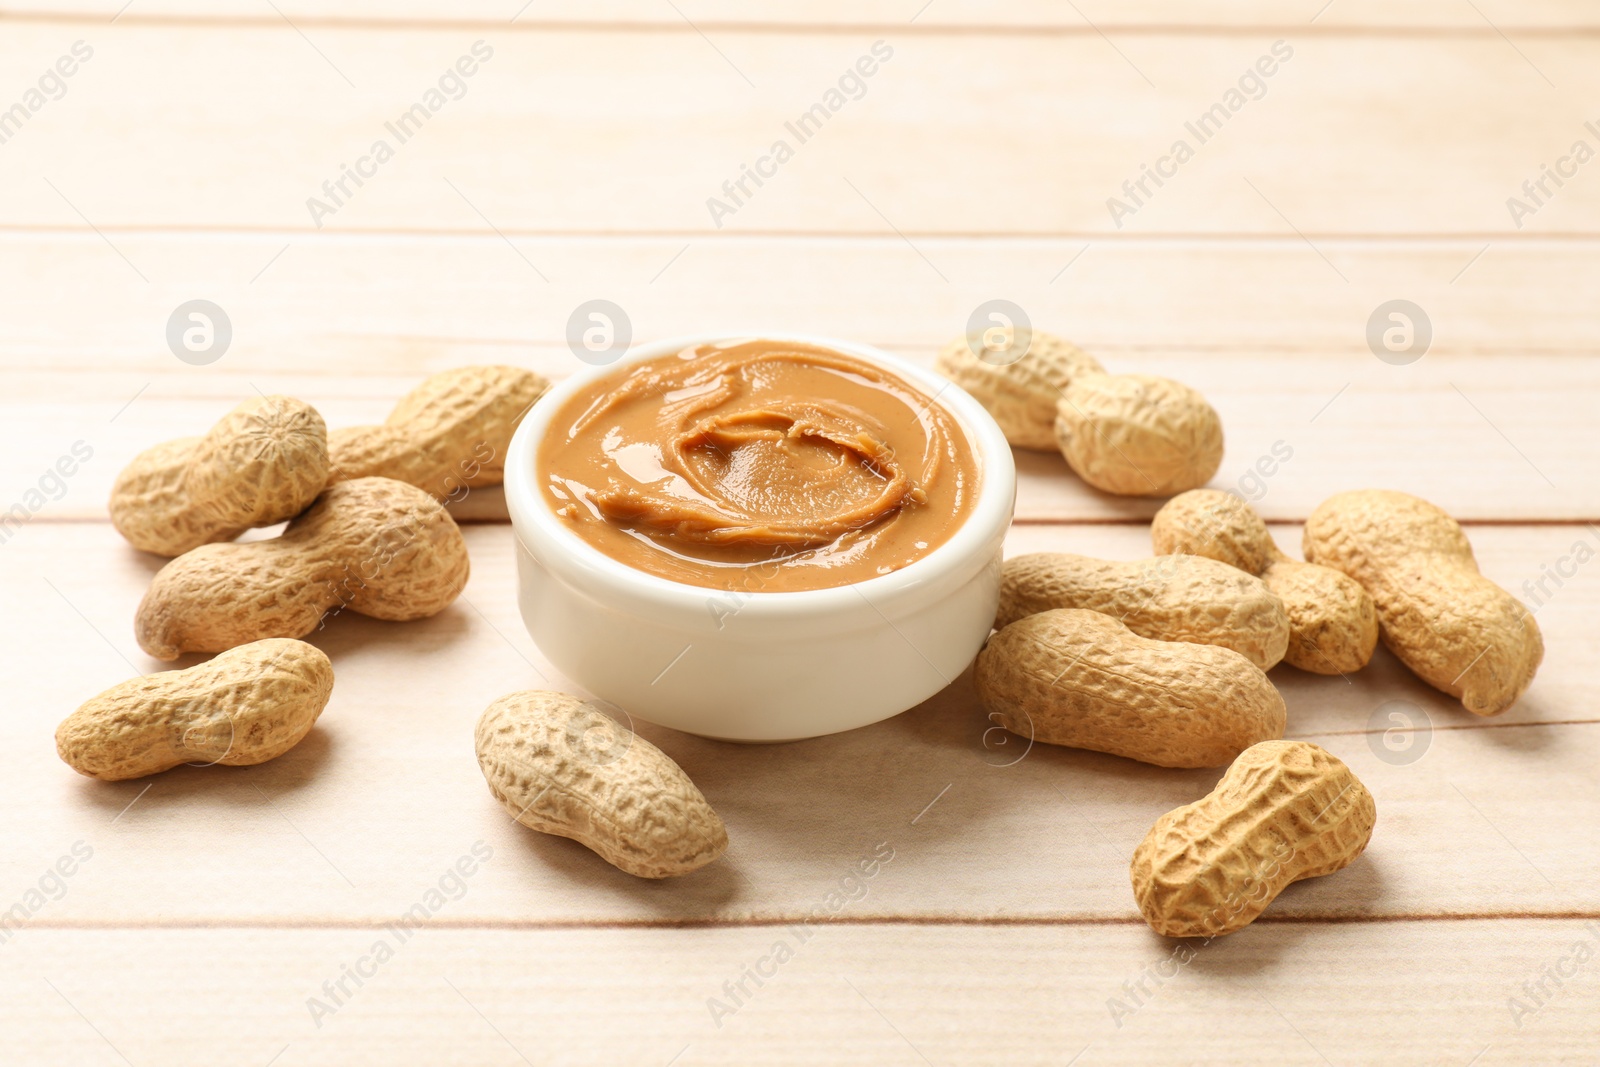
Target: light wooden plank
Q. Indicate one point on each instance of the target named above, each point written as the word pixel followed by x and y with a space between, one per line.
pixel 1483 438
pixel 947 138
pixel 191 146
pixel 350 324
pixel 349 305
pixel 1126 16
pixel 386 792
pixel 893 995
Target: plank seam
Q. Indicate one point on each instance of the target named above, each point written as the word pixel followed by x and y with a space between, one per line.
pixel 1243 350
pixel 819 29
pixel 1109 520
pixel 1329 919
pixel 1485 725
pixel 1102 237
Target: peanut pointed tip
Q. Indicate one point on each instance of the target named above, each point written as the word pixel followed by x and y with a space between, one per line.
pixel 153 639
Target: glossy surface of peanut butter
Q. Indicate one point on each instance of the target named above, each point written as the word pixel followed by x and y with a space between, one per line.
pixel 758 466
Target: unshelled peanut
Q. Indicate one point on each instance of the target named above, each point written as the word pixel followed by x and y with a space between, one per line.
pixel 1333 625
pixel 1454 628
pixel 246 706
pixel 1018 377
pixel 377 546
pixel 448 435
pixel 1285 810
pixel 561 766
pixel 1138 435
pixel 1167 598
pixel 1084 680
pixel 264 462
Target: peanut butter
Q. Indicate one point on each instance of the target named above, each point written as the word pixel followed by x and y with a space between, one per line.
pixel 758 466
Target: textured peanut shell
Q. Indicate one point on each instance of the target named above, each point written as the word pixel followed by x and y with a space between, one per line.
pixel 562 767
pixel 452 431
pixel 249 705
pixel 1019 392
pixel 1167 598
pixel 1138 435
pixel 1333 624
pixel 1286 810
pixel 264 462
pixel 1084 680
pixel 377 546
pixel 1454 628
pixel 1217 525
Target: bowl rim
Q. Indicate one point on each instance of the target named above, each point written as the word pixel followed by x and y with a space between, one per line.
pixel 575 561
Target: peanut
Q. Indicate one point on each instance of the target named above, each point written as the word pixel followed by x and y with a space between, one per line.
pixel 263 463
pixel 1333 626
pixel 1454 628
pixel 1284 811
pixel 1019 389
pixel 1084 680
pixel 375 545
pixel 1130 434
pixel 447 435
pixel 1167 598
pixel 623 798
pixel 249 705
pixel 1137 435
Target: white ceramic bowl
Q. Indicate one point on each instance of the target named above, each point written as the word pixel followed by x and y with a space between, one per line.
pixel 760 666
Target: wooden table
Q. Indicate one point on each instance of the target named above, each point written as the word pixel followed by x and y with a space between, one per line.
pixel 235 915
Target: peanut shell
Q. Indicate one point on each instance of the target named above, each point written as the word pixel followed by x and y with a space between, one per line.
pixel 1020 390
pixel 248 705
pixel 264 462
pixel 448 434
pixel 561 766
pixel 1138 435
pixel 1333 624
pixel 1286 810
pixel 377 546
pixel 1167 598
pixel 1084 680
pixel 1454 628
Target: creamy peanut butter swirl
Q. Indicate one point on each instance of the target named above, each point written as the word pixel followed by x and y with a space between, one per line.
pixel 759 466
